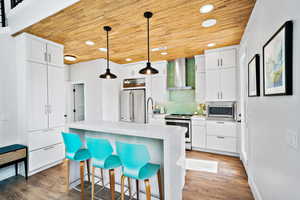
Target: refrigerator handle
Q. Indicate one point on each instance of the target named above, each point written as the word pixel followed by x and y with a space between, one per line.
pixel 132 105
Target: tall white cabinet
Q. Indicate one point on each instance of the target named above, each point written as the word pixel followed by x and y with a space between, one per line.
pixel 41 100
pixel 221 72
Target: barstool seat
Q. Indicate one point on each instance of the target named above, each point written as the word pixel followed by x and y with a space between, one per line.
pixel 135 164
pixel 75 152
pixel 103 158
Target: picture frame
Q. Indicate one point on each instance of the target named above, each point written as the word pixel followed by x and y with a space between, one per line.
pixel 278 62
pixel 254 77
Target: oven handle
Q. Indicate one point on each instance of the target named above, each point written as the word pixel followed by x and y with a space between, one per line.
pixel 180 121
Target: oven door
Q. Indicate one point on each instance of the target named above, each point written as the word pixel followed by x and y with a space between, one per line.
pixel 182 123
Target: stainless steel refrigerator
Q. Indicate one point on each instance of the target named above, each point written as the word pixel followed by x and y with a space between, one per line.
pixel 133 106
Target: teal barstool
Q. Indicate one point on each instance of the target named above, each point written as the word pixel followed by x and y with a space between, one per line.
pixel 135 161
pixel 76 152
pixel 102 157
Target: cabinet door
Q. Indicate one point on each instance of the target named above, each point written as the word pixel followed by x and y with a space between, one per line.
pixel 55 55
pixel 212 60
pixel 200 87
pixel 212 85
pixel 200 63
pixel 56 96
pixel 228 84
pixel 228 58
pixel 36 50
pixel 37 96
pixel 198 136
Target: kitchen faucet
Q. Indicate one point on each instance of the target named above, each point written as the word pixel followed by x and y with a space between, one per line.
pixel 147 113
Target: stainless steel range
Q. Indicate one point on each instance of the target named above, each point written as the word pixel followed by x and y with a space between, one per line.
pixel 182 120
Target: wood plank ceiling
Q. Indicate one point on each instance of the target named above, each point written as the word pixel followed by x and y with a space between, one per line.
pixel 176 24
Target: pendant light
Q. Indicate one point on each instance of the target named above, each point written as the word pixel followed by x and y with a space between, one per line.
pixel 107 74
pixel 148 69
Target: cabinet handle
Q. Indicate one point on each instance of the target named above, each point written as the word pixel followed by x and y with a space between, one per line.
pixel 221 95
pixel 220 137
pixel 48 148
pixel 218 63
pixel 49 55
pixel 221 61
pixel 220 122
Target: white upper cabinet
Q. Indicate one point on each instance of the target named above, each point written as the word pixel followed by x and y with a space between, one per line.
pixel 200 63
pixel 37 50
pixel 55 55
pixel 212 60
pixel 200 90
pixel 228 84
pixel 43 51
pixel 213 85
pixel 221 74
pixel 220 59
pixel 56 96
pixel 37 96
pixel 227 58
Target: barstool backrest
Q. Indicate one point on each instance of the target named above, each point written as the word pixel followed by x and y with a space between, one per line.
pixel 99 148
pixel 133 155
pixel 73 144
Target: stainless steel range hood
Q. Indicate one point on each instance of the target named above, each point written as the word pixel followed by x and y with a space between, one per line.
pixel 180 75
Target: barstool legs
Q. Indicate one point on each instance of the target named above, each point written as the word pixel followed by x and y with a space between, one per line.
pixel 112 183
pixel 88 170
pixel 122 187
pixel 148 190
pixel 160 185
pixel 82 179
pixel 137 189
pixel 68 175
pixel 93 183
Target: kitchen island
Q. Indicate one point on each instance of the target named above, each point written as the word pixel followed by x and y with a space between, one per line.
pixel 166 145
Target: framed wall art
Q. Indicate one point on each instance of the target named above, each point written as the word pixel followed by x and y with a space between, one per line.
pixel 254 77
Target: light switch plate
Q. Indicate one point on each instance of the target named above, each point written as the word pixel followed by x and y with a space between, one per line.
pixel 293 139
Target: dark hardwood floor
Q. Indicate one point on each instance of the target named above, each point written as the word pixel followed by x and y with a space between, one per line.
pixel 230 183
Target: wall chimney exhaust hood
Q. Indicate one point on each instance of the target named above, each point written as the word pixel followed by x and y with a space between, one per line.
pixel 177 75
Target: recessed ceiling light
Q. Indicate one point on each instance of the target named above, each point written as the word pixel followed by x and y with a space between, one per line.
pixel 159 48
pixel 209 23
pixel 103 49
pixel 70 58
pixel 89 42
pixel 206 8
pixel 128 59
pixel 164 53
pixel 211 44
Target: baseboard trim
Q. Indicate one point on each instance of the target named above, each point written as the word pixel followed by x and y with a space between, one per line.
pixel 216 152
pixel 45 167
pixel 254 189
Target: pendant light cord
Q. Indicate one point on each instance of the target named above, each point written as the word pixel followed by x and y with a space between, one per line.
pixel 148 34
pixel 107 48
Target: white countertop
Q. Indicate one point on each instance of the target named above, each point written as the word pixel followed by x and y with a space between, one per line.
pixel 131 129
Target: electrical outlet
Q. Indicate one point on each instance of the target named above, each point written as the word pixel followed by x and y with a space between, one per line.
pixel 292 139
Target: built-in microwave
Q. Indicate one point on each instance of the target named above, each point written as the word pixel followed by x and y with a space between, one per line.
pixel 215 110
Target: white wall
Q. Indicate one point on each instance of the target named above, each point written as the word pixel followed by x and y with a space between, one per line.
pixel 32 11
pixel 100 95
pixel 274 167
pixel 8 96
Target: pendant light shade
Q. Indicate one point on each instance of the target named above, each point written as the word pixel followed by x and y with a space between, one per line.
pixel 107 74
pixel 148 69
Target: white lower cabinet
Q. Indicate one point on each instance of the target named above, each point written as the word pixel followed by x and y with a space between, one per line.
pixel 221 143
pixel 222 136
pixel 45 148
pixel 215 136
pixel 198 136
pixel 44 157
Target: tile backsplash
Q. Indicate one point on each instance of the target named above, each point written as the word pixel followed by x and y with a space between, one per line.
pixel 181 102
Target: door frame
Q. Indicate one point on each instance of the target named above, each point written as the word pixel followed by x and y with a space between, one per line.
pixel 72 97
pixel 245 139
